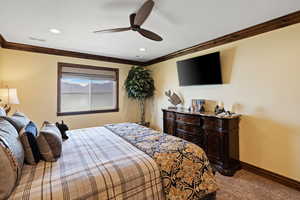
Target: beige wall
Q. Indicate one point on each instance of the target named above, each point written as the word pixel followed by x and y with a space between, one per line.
pixel 262 79
pixel 35 77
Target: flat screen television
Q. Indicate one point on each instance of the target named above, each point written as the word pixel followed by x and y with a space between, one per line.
pixel 202 70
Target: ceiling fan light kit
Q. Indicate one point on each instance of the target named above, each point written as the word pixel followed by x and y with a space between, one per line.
pixel 136 21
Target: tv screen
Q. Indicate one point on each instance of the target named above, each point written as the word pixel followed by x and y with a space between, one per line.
pixel 203 70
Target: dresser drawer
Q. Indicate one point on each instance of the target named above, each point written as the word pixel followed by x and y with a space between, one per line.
pixel 188 128
pixel 190 137
pixel 170 115
pixel 212 123
pixel 189 119
pixel 169 126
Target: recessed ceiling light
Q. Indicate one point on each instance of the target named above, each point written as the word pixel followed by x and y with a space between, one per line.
pixel 142 49
pixel 55 31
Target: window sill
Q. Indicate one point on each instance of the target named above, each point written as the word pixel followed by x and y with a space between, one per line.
pixel 86 112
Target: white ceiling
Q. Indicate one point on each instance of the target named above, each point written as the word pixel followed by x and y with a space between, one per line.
pixel 181 23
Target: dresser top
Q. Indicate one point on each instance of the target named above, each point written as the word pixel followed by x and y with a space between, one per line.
pixel 206 114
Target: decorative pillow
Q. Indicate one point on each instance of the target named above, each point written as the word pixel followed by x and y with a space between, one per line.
pixel 11 158
pixel 49 142
pixel 2 112
pixel 18 120
pixel 28 136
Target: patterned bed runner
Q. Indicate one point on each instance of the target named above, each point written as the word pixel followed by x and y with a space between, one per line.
pixel 184 167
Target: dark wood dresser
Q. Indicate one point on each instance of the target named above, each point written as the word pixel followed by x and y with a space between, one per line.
pixel 217 136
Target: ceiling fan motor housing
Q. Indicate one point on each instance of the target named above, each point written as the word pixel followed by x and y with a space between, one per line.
pixel 135 27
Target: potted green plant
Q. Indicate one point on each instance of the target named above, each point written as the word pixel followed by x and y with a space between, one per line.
pixel 139 85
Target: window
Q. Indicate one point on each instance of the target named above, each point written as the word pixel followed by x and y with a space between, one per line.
pixel 86 89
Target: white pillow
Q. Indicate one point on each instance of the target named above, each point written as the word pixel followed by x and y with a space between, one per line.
pixel 2 112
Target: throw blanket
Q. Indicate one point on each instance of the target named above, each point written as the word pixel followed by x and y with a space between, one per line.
pixel 95 164
pixel 184 167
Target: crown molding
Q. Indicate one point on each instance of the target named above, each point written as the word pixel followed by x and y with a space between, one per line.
pixel 2 41
pixel 287 20
pixel 36 49
pixel 290 19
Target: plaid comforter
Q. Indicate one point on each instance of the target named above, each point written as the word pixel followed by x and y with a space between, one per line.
pixel 95 164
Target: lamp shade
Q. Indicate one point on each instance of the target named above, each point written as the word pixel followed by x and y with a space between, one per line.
pixel 9 96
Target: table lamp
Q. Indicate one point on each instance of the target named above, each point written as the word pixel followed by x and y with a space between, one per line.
pixel 8 96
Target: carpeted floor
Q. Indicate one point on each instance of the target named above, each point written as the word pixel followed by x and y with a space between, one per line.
pixel 248 186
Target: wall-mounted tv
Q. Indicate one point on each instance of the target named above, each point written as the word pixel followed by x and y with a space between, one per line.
pixel 202 70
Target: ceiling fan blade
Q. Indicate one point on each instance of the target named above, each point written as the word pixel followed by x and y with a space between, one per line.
pixel 113 30
pixel 150 35
pixel 132 17
pixel 143 13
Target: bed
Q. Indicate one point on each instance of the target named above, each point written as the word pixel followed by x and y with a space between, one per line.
pixel 121 161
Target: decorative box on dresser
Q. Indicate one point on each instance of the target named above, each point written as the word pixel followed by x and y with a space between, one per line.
pixel 217 136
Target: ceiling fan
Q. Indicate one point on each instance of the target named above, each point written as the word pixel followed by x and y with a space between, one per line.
pixel 136 21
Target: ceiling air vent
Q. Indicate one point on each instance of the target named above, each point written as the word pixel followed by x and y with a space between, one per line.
pixel 37 39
